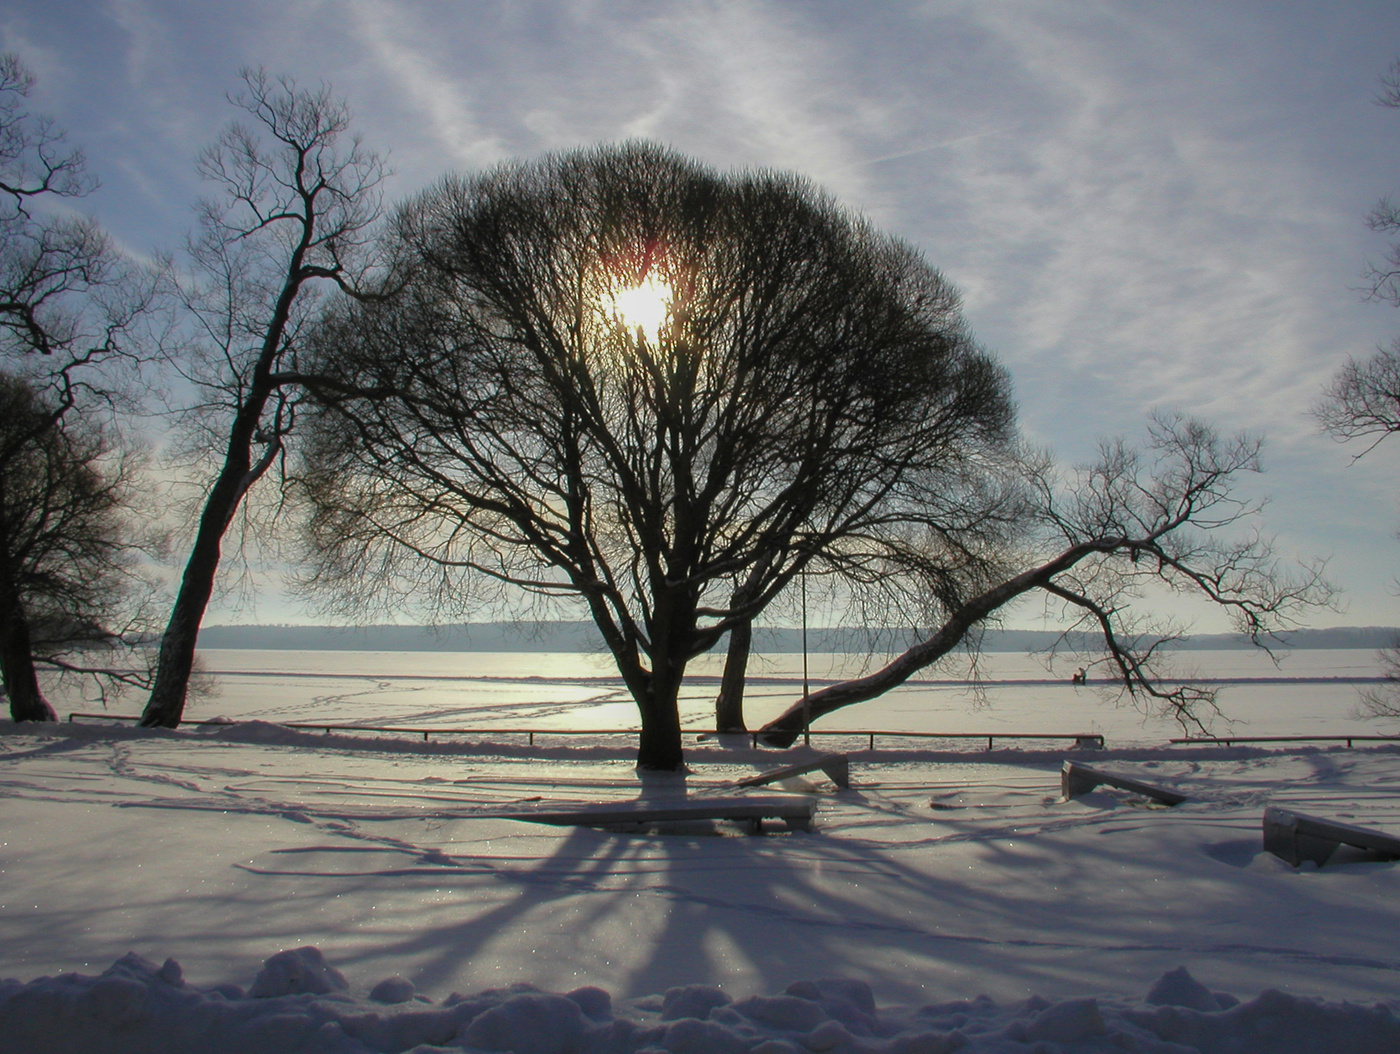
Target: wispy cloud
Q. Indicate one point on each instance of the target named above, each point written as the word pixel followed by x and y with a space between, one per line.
pixel 1130 238
pixel 400 44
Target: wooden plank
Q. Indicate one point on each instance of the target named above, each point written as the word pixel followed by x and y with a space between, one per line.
pixel 795 812
pixel 836 766
pixel 1077 779
pixel 1295 837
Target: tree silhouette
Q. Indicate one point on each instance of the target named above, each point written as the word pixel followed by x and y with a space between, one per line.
pixel 68 575
pixel 802 393
pixel 296 200
pixel 1363 400
pixel 69 304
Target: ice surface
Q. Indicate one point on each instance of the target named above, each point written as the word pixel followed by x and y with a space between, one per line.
pixel 510 690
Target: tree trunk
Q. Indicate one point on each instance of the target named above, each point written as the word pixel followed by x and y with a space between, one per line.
pixel 166 704
pixel 784 729
pixel 27 702
pixel 659 748
pixel 729 705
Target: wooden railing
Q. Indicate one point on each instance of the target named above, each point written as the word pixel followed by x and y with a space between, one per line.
pixel 1230 741
pixel 1092 740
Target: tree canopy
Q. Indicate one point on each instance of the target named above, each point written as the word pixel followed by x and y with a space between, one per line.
pixel 619 377
pixel 69 575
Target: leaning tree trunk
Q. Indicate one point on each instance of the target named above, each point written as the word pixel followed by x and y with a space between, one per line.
pixel 166 704
pixel 177 646
pixel 729 705
pixel 27 702
pixel 784 729
pixel 175 664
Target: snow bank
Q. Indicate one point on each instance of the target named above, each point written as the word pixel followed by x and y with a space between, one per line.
pixel 300 1004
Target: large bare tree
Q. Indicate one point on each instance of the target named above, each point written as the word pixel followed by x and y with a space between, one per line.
pixel 618 377
pixel 296 198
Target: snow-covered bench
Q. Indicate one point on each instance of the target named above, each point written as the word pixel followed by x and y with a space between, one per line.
pixel 1077 779
pixel 1295 837
pixel 794 811
pixel 836 766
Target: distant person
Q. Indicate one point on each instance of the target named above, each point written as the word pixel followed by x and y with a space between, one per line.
pixel 1081 676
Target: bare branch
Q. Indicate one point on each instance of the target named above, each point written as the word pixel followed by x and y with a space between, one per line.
pixel 1124 523
pixel 1363 401
pixel 35 159
pixel 294 208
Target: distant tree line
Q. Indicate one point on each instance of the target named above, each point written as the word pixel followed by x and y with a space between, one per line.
pixel 528 635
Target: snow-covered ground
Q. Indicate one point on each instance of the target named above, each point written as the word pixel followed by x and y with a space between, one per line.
pixel 951 899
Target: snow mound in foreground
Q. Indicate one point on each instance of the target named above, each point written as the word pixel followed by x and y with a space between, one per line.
pixel 300 1004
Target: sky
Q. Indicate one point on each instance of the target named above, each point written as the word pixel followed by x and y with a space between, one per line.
pixel 1147 205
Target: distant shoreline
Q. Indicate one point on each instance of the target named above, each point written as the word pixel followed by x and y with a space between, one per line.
pixel 582 637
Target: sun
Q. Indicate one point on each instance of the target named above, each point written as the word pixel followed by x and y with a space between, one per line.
pixel 644 307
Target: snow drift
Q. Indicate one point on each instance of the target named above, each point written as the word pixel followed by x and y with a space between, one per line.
pixel 300 1004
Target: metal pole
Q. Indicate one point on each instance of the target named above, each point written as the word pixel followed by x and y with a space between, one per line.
pixel 806 707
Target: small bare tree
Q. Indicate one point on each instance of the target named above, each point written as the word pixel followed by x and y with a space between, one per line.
pixel 1131 521
pixel 297 196
pixel 69 569
pixel 1363 400
pixel 69 304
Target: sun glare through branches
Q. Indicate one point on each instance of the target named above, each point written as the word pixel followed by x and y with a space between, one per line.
pixel 644 307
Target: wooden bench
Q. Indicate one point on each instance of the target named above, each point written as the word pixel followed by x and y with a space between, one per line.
pixel 1077 779
pixel 836 766
pixel 1295 837
pixel 796 812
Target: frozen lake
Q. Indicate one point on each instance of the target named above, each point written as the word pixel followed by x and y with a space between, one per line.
pixel 1311 692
